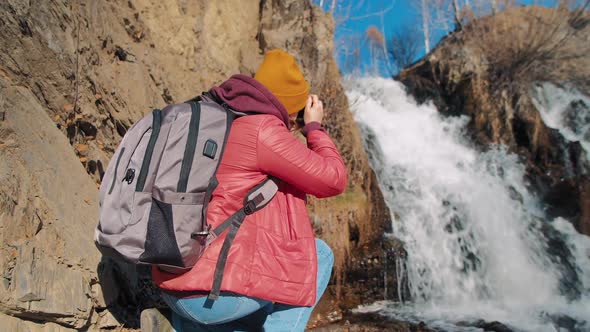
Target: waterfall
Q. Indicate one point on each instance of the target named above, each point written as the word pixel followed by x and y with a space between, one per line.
pixel 565 109
pixel 478 243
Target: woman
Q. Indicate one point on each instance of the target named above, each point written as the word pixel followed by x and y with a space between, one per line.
pixel 276 270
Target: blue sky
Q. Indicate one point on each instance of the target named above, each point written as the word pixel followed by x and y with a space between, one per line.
pixel 355 21
pixel 353 18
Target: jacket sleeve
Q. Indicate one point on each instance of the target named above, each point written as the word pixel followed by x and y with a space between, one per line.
pixel 316 169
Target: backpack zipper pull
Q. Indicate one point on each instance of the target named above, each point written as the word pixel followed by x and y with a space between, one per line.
pixel 129 175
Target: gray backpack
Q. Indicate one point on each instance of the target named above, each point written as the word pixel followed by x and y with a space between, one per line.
pixel 154 194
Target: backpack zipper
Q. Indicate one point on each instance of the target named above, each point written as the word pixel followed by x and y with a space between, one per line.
pixel 156 124
pixel 116 166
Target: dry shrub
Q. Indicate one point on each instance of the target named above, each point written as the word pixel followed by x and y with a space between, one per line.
pixel 403 46
pixel 534 44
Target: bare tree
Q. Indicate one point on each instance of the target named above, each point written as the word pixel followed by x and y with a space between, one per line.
pixel 485 7
pixel 404 46
pixel 425 13
pixel 463 11
pixel 494 6
pixel 457 14
pixel 436 15
pixel 349 49
pixel 376 48
pixel 387 62
pixel 382 55
pixel 333 6
pixel 349 46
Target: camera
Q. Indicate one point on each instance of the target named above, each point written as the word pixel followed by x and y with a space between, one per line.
pixel 299 120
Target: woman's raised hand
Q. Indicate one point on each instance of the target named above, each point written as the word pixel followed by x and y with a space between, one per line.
pixel 314 110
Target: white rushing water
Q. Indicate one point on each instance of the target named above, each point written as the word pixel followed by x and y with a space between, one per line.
pixel 566 109
pixel 477 239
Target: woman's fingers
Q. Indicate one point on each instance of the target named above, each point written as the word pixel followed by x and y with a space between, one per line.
pixel 315 100
pixel 315 112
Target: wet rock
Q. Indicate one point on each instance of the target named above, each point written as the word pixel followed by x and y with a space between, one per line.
pixel 560 199
pixel 577 118
pixel 372 322
pixel 567 323
pixel 374 275
pixel 570 284
pixel 515 195
pixel 494 326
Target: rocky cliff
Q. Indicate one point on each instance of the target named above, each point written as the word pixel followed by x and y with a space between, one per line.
pixel 490 71
pixel 74 75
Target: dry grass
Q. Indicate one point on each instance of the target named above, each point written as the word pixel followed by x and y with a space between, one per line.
pixel 533 44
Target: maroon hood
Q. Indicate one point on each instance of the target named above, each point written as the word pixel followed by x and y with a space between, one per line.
pixel 245 94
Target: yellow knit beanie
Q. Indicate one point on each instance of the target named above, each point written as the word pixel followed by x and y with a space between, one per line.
pixel 280 74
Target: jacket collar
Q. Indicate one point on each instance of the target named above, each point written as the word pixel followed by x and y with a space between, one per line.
pixel 245 94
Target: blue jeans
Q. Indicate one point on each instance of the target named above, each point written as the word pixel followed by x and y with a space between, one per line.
pixel 233 312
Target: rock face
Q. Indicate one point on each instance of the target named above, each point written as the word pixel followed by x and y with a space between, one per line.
pixel 489 71
pixel 47 206
pixel 74 75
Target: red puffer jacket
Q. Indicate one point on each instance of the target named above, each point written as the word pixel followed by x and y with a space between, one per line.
pixel 273 256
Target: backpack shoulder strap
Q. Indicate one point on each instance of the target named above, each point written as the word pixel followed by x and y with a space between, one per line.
pixel 255 200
